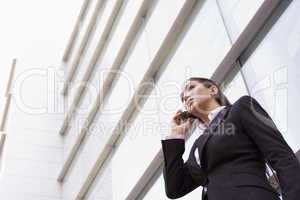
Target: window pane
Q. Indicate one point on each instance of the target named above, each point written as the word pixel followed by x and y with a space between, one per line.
pixel 272 73
pixel 237 14
pixel 88 54
pixel 236 88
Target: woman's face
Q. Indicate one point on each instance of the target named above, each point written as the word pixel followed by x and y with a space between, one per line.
pixel 195 96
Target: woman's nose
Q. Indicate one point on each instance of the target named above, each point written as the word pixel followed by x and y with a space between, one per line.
pixel 185 98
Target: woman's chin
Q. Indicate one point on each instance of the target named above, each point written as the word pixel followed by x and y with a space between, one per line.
pixel 194 109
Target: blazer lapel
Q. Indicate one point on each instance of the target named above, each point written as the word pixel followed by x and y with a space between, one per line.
pixel 209 131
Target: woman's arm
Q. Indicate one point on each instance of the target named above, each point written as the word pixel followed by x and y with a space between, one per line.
pixel 263 131
pixel 176 173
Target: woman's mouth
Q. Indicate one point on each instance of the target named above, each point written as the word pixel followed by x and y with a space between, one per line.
pixel 189 102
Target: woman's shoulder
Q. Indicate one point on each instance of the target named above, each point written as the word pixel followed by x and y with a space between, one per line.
pixel 244 101
pixel 242 104
pixel 246 105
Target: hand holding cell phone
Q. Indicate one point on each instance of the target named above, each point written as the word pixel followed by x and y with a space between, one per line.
pixel 181 122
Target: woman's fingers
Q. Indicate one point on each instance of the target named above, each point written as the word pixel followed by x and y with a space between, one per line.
pixel 188 123
pixel 176 119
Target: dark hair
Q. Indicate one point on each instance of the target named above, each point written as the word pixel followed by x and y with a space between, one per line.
pixel 220 97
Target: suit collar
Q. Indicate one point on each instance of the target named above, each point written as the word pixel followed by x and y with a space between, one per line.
pixel 220 117
pixel 213 113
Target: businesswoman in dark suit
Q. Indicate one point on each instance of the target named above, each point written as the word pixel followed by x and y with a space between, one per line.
pixel 232 151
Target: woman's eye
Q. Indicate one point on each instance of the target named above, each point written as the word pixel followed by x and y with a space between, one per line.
pixel 191 87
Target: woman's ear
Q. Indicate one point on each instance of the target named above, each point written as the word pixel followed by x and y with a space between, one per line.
pixel 214 90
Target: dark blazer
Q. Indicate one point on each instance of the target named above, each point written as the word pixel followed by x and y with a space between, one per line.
pixel 233 151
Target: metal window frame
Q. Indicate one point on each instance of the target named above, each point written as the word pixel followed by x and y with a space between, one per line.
pixel 230 38
pixel 246 37
pixel 5 112
pixel 91 66
pixel 2 141
pixel 11 76
pixel 75 31
pixel 8 95
pixel 97 13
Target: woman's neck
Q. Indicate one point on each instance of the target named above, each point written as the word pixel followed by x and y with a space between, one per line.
pixel 203 114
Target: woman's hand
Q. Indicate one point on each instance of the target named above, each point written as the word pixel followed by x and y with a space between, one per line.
pixel 179 126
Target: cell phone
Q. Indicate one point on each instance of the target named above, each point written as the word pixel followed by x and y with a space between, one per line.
pixel 184 115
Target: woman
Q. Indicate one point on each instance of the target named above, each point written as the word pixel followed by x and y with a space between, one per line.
pixel 229 158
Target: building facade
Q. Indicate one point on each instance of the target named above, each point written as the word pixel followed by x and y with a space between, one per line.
pixel 92 128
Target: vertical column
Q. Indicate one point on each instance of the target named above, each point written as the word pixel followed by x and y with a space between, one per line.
pixel 8 95
pixel 6 108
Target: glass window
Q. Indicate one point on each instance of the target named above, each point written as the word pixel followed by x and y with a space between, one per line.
pixel 237 14
pixel 82 30
pixel 235 88
pixel 87 55
pixel 129 11
pixel 160 22
pixel 272 73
